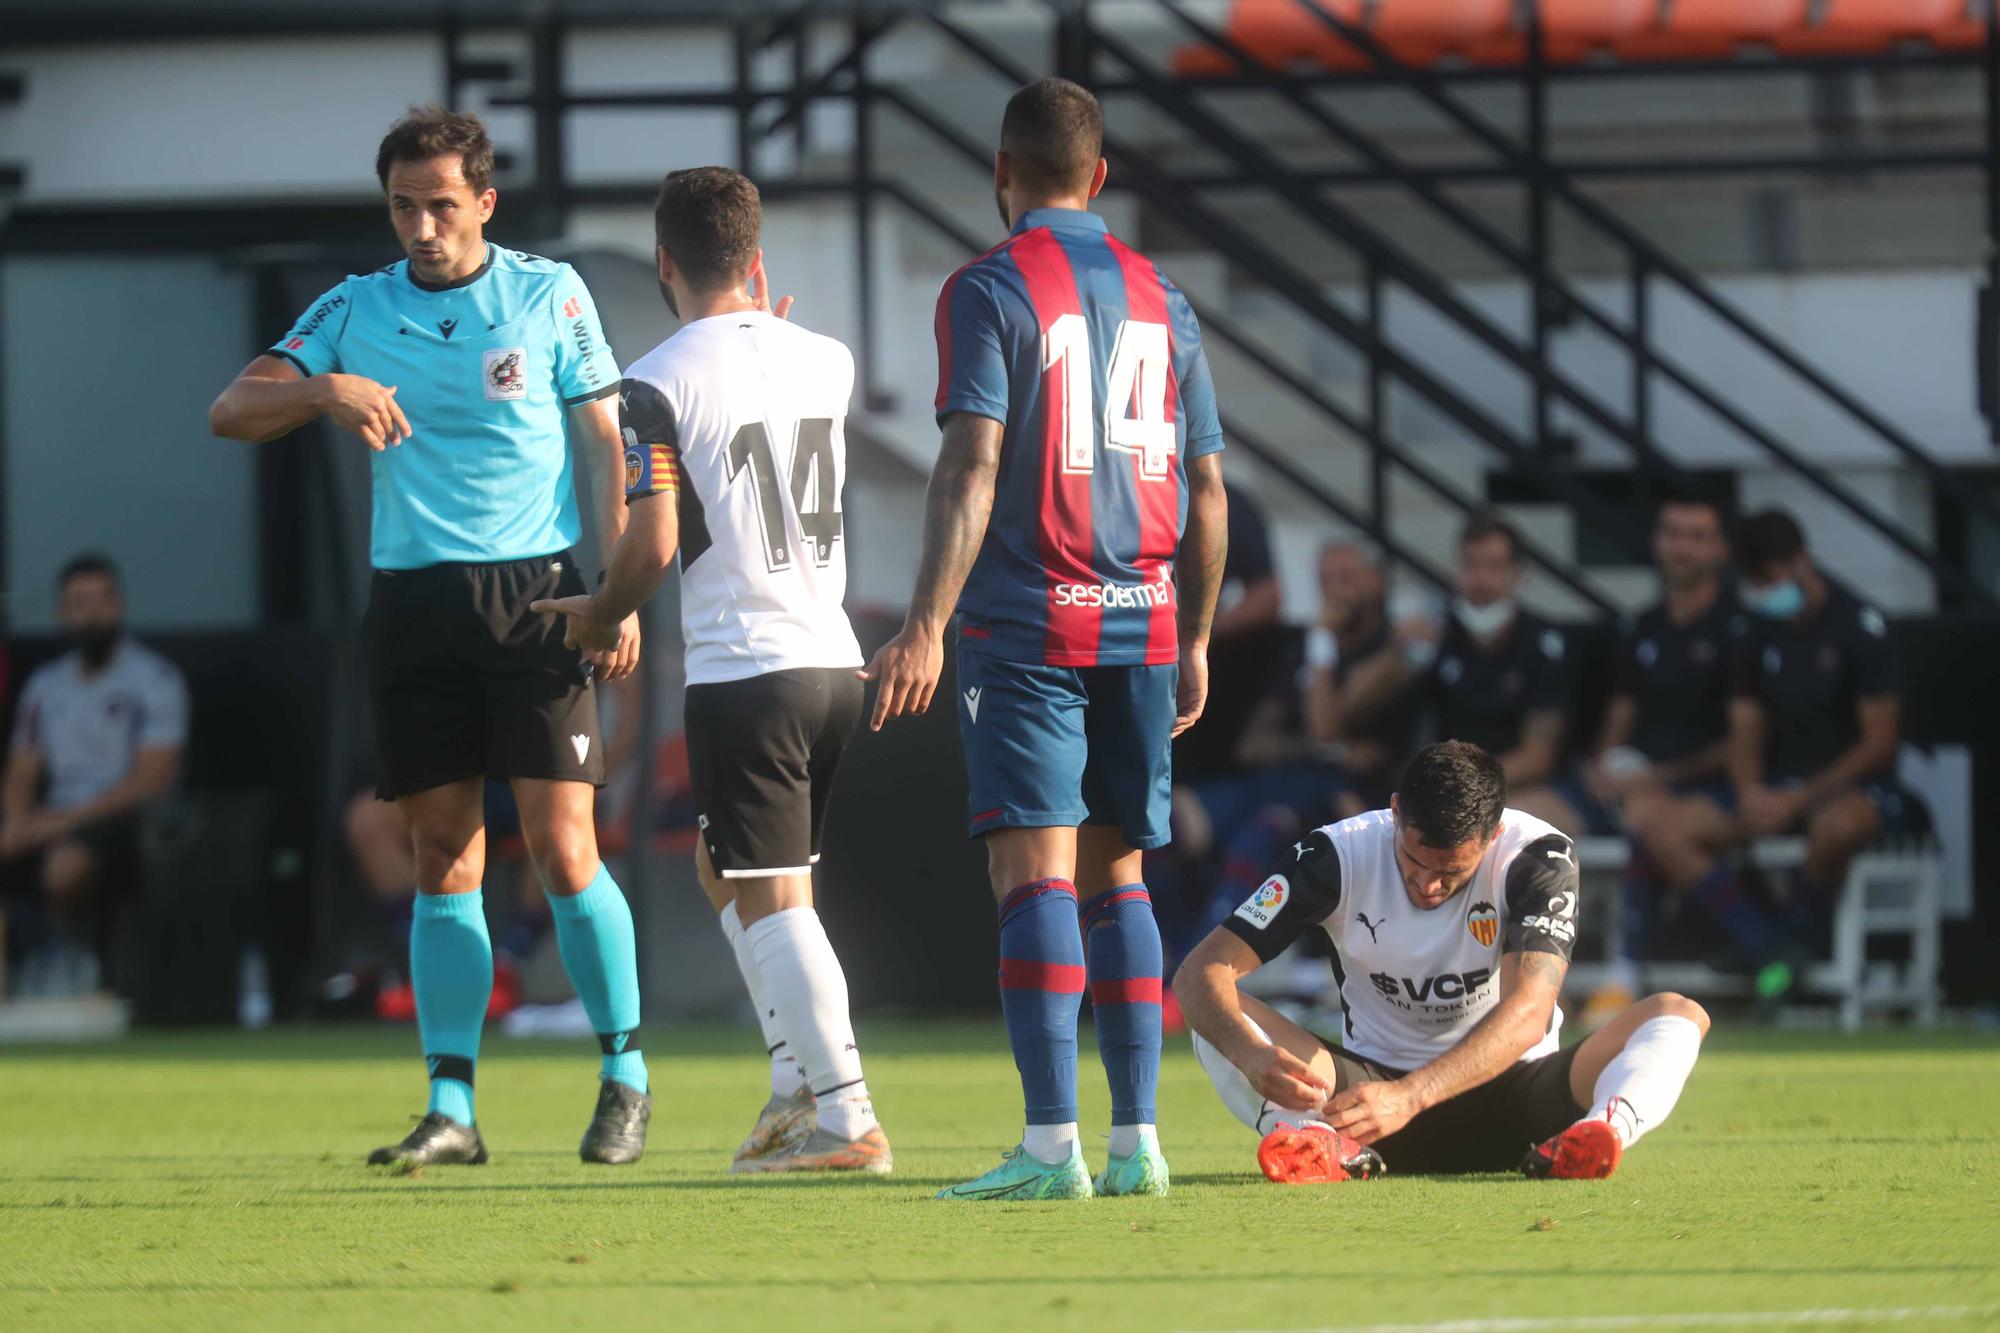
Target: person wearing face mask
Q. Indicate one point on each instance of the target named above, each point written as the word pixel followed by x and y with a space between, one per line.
pixel 99 733
pixel 1493 674
pixel 1814 725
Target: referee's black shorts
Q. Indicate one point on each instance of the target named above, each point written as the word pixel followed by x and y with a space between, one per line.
pixel 465 681
pixel 1488 1128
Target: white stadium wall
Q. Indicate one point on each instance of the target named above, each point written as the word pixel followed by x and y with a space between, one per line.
pixel 281 119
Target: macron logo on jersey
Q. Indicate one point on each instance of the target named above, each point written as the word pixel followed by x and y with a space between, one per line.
pixel 1123 596
pixel 972 704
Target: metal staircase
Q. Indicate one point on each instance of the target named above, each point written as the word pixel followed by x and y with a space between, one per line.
pixel 1393 443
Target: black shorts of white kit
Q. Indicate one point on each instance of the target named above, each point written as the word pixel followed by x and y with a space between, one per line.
pixel 761 756
pixel 466 682
pixel 1487 1128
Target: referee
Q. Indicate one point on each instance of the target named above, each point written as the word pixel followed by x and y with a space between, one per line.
pixel 467 369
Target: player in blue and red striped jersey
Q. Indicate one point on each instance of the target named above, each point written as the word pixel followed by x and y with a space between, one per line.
pixel 1077 524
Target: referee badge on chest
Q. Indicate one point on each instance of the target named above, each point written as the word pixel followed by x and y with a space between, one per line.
pixel 504 373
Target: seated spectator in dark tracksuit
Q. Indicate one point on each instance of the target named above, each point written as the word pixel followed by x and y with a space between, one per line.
pixel 1666 723
pixel 1350 646
pixel 99 732
pixel 1497 675
pixel 1302 761
pixel 1814 725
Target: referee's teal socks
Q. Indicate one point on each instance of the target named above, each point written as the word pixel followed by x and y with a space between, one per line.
pixel 601 954
pixel 451 971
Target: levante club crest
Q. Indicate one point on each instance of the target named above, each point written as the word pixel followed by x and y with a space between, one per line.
pixel 1484 923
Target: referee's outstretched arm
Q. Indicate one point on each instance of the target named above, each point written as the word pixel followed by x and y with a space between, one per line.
pixel 271 399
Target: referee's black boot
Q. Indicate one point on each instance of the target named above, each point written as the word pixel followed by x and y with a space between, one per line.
pixel 438 1140
pixel 617 1132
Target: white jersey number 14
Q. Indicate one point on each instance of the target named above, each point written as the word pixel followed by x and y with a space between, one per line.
pixel 1135 408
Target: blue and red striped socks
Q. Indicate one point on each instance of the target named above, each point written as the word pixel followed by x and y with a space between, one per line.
pixel 1122 944
pixel 1041 990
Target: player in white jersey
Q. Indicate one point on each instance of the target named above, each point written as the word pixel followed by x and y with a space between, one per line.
pixel 1451 919
pixel 735 454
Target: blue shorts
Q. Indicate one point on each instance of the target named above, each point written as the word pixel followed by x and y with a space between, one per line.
pixel 1056 747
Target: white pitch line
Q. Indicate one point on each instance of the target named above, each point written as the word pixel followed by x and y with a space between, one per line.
pixel 1730 1319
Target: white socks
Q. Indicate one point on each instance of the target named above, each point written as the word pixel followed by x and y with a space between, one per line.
pixel 1638 1089
pixel 786 1080
pixel 1125 1139
pixel 1243 1100
pixel 1049 1143
pixel 806 989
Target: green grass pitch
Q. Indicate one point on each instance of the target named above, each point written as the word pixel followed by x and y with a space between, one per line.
pixel 216 1180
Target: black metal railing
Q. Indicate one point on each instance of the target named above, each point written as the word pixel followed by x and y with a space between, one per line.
pixel 1383 261
pixel 1647 263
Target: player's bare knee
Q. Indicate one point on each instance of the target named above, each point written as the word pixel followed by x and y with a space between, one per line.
pixel 449 864
pixel 1668 1004
pixel 568 866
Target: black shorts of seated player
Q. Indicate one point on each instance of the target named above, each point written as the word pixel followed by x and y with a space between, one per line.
pixel 761 758
pixel 1486 1128
pixel 465 681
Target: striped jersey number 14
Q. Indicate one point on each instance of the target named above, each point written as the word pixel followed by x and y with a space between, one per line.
pixel 1135 407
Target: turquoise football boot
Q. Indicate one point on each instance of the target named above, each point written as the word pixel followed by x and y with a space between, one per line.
pixel 1144 1172
pixel 1020 1176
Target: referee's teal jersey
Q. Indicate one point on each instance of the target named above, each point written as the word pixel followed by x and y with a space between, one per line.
pixel 486 370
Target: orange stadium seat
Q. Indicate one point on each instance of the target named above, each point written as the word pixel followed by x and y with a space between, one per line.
pixel 1574 30
pixel 1965 34
pixel 1859 27
pixel 1421 31
pixel 1280 35
pixel 1713 29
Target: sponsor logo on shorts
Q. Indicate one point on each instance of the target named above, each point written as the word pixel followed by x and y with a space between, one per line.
pixel 581 743
pixel 1484 923
pixel 1263 906
pixel 1116 596
pixel 504 374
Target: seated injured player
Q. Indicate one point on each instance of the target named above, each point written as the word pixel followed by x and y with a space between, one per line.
pixel 1451 919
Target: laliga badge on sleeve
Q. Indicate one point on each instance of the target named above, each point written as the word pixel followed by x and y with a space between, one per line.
pixel 1263 906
